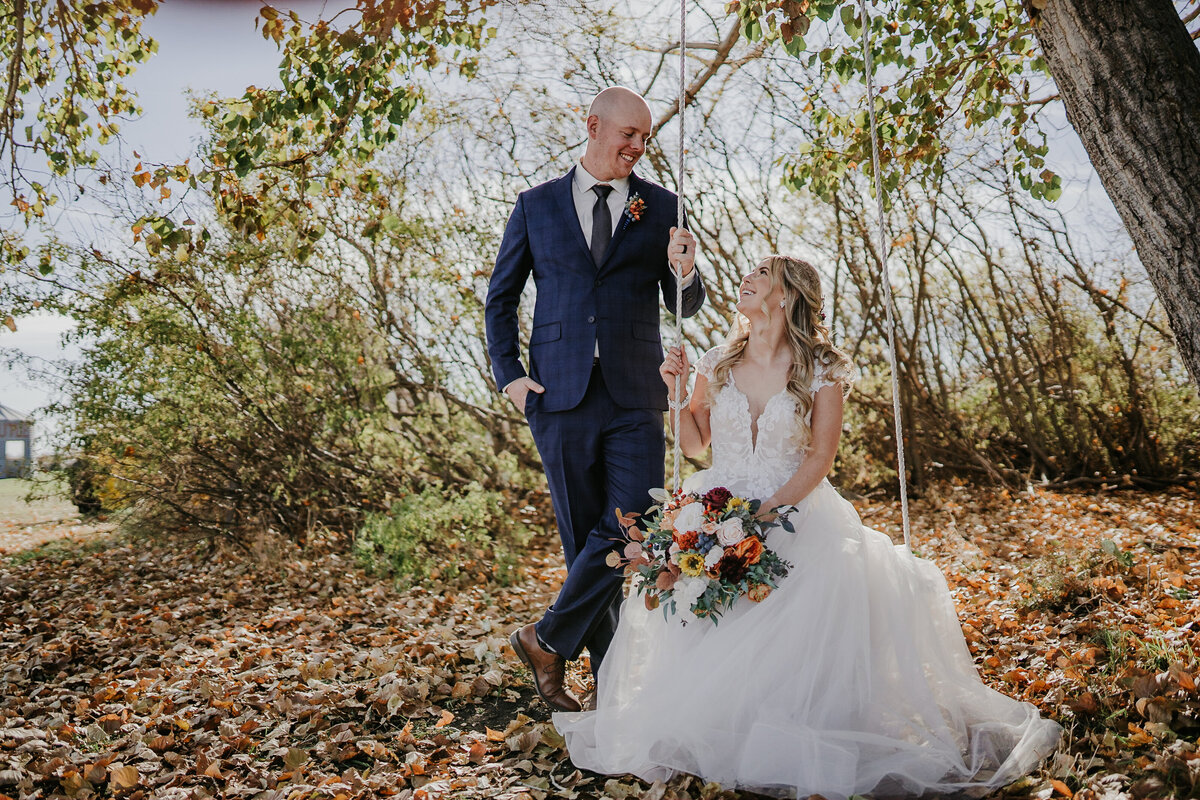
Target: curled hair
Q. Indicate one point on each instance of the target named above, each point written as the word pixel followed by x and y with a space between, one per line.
pixel 813 354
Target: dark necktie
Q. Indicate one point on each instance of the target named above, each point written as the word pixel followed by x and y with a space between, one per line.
pixel 601 223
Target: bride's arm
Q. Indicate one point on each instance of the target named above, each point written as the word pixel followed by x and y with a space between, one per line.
pixel 693 417
pixel 826 431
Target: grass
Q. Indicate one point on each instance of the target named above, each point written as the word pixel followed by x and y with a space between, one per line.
pixel 49 492
pixel 61 550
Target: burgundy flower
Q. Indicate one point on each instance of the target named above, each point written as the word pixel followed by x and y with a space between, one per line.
pixel 716 499
pixel 733 567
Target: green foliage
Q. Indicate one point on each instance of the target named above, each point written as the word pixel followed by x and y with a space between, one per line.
pixel 72 58
pixel 939 68
pixel 64 92
pixel 461 537
pixel 347 89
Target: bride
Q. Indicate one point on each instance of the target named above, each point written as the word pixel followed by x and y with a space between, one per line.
pixel 853 675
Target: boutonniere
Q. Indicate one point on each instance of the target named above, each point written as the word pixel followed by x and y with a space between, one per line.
pixel 635 206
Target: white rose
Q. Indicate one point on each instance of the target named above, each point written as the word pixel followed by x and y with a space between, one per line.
pixel 688 590
pixel 714 555
pixel 731 532
pixel 690 518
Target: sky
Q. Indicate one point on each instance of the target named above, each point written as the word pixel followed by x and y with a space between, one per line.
pixel 212 45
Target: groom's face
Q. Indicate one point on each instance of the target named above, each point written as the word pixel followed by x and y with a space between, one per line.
pixel 617 139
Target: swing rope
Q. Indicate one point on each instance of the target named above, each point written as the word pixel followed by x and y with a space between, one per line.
pixel 680 377
pixel 889 302
pixel 885 279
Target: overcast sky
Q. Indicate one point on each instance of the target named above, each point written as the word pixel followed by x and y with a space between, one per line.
pixel 213 46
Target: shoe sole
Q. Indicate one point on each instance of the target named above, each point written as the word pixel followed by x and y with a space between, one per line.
pixel 519 648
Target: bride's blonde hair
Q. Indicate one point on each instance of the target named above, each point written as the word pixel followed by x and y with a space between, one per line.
pixel 805 330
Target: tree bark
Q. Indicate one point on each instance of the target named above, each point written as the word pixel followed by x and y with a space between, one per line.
pixel 1129 76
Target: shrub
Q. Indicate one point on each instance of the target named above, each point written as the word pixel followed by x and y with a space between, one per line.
pixel 459 536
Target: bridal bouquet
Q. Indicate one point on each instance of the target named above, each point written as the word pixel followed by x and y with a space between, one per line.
pixel 698 554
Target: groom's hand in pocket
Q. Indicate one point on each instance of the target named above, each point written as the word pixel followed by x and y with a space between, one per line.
pixel 518 391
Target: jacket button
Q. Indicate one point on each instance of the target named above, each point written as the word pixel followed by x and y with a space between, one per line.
pixel 591 319
pixel 597 283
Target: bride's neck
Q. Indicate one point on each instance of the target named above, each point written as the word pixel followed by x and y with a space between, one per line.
pixel 767 343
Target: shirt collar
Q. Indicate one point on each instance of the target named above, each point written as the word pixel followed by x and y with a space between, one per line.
pixel 585 181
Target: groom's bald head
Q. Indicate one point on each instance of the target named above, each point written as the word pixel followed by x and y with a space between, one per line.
pixel 618 125
pixel 617 101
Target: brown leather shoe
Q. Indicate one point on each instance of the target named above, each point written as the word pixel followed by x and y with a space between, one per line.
pixel 547 668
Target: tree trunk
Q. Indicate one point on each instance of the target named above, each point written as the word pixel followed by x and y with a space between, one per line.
pixel 1129 76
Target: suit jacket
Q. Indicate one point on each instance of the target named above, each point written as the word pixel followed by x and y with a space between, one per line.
pixel 579 303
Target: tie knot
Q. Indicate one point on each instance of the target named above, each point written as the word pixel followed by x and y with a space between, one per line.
pixel 602 190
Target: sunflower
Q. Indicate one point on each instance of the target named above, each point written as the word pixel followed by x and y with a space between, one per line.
pixel 691 564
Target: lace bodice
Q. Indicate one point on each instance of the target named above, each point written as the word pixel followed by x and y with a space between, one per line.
pixel 746 463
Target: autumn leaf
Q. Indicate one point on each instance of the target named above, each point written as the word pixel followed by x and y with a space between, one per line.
pixel 123 777
pixel 294 758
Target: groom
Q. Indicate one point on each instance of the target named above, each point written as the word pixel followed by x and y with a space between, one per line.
pixel 598 242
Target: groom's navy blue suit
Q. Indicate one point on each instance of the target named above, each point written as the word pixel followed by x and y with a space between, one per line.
pixel 598 426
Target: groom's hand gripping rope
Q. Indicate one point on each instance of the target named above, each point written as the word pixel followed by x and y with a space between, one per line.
pixel 681 252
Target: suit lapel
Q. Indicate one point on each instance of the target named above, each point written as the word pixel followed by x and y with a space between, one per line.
pixel 565 198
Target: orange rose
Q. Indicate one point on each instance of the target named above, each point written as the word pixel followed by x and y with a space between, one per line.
pixel 759 592
pixel 749 549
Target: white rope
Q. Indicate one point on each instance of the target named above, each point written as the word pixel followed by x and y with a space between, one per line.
pixel 884 277
pixel 679 378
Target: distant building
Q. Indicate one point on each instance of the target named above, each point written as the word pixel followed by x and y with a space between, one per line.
pixel 16 436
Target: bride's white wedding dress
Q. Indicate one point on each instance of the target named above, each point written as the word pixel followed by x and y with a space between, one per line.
pixel 852 676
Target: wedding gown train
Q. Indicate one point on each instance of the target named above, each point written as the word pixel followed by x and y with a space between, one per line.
pixel 852 676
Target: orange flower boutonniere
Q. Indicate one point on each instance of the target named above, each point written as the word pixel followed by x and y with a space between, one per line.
pixel 635 206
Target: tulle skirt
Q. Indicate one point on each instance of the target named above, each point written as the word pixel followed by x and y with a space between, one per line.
pixel 852 676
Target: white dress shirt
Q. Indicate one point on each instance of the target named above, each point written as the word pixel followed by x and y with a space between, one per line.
pixel 585 200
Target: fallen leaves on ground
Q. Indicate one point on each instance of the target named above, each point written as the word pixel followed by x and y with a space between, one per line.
pixel 147 668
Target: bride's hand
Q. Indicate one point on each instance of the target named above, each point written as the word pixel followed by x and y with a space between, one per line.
pixel 770 510
pixel 675 363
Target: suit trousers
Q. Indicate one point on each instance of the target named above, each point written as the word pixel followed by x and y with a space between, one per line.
pixel 598 457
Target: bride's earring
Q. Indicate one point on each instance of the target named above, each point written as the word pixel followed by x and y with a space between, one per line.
pixel 781 304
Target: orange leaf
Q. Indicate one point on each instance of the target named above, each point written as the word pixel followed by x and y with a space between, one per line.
pixel 445 720
pixel 494 736
pixel 1061 788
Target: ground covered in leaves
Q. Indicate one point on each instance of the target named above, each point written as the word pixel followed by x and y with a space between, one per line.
pixel 134 668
